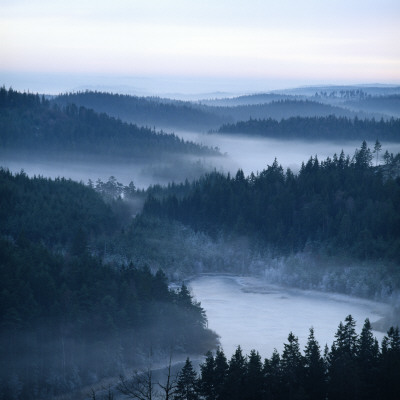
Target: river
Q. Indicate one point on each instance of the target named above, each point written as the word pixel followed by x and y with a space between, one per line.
pixel 249 312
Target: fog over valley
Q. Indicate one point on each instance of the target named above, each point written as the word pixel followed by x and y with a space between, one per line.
pixel 256 315
pixel 137 233
pixel 253 154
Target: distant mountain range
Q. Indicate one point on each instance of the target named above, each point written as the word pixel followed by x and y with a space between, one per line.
pixel 176 115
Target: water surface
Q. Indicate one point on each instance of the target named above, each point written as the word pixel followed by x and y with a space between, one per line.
pixel 248 312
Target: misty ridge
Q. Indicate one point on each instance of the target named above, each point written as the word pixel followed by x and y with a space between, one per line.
pixel 32 128
pixel 92 270
pixel 204 115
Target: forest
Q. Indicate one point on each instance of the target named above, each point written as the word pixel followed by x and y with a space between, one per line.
pixel 30 122
pixel 318 128
pixel 342 204
pixel 67 317
pixel 202 115
pixel 147 111
pixel 86 267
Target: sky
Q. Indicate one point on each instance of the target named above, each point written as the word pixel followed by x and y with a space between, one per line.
pixel 188 46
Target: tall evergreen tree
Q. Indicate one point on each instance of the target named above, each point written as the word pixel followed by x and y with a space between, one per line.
pixel 221 374
pixel 254 382
pixel 207 378
pixel 315 370
pixel 292 369
pixel 377 150
pixel 235 382
pixel 368 363
pixel 186 386
pixel 343 371
pixel 273 377
pixel 390 365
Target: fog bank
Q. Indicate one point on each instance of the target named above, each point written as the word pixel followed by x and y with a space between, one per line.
pixel 256 315
pixel 254 154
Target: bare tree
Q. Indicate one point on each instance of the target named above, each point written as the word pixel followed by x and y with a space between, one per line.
pixel 377 149
pixel 170 386
pixel 108 396
pixel 140 387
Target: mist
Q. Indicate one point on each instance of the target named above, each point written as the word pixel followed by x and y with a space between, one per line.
pixel 254 314
pixel 80 167
pixel 283 276
pixel 238 151
pixel 254 154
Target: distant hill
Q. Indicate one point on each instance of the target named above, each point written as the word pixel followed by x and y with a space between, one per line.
pixel 207 114
pixel 389 105
pixel 145 111
pixel 373 90
pixel 28 122
pixel 250 99
pixel 318 128
pixel 283 109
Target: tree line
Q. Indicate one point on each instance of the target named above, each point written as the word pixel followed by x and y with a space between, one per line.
pixel 318 128
pixel 32 123
pixel 354 367
pixel 147 111
pixel 339 205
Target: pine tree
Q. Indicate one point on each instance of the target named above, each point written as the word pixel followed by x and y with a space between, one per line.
pixel 254 381
pixel 363 157
pixel 343 371
pixel 207 380
pixel 377 149
pixel 368 359
pixel 292 369
pixel 186 386
pixel 220 374
pixel 315 369
pixel 273 377
pixel 236 376
pixel 390 365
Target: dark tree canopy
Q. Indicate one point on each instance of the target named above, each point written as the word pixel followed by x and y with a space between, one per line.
pixel 329 127
pixel 355 367
pixel 341 205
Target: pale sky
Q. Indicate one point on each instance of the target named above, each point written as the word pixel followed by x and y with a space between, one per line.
pixel 292 42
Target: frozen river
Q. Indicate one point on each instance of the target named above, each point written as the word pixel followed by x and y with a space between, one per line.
pixel 249 312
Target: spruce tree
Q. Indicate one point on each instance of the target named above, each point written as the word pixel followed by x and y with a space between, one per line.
pixel 207 379
pixel 292 369
pixel 186 386
pixel 254 376
pixel 390 365
pixel 343 371
pixel 220 375
pixel 367 360
pixel 273 377
pixel 315 374
pixel 235 386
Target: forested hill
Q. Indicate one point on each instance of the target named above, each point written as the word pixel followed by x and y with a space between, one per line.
pixel 259 98
pixel 31 123
pixel 205 115
pixel 67 319
pixel 340 205
pixel 389 105
pixel 52 212
pixel 318 128
pixel 146 111
pixel 283 109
